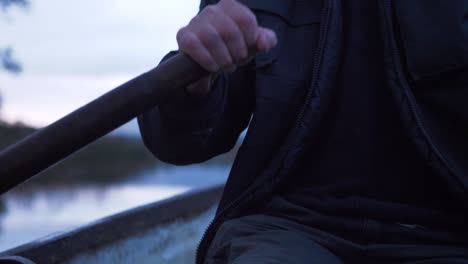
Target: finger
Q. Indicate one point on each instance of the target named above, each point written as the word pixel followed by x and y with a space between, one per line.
pixel 190 44
pixel 234 40
pixel 214 43
pixel 244 19
pixel 229 70
pixel 266 40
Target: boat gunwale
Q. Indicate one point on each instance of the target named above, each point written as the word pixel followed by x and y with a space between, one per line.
pixel 108 230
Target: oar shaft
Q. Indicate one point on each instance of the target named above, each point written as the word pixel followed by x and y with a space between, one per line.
pixel 55 142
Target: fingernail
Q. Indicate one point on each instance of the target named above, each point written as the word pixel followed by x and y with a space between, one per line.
pixel 229 69
pixel 272 38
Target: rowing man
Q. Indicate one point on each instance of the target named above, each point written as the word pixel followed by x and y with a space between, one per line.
pixel 356 150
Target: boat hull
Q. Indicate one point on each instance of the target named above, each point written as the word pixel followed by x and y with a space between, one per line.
pixel 162 232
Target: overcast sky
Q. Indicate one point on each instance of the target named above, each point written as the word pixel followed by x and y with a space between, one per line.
pixel 74 51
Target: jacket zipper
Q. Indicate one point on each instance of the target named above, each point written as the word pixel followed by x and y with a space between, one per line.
pixel 317 62
pixel 413 108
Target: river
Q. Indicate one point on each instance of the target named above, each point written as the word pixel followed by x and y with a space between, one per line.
pixel 31 215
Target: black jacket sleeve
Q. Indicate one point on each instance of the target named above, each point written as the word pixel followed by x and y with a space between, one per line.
pixel 194 128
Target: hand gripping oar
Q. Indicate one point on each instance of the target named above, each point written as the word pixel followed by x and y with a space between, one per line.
pixel 55 142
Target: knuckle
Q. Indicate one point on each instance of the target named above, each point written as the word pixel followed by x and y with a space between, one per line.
pixel 229 33
pixel 194 20
pixel 246 20
pixel 210 10
pixel 209 36
pixel 187 41
pixel 181 34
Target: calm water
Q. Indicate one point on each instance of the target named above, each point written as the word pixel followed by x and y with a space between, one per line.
pixel 33 215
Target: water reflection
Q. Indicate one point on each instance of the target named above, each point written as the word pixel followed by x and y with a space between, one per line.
pixel 32 214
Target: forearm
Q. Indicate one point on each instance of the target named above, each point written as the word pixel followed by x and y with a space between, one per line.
pixel 178 131
pixel 196 127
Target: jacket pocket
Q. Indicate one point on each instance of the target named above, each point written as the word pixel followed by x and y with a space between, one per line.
pixel 296 24
pixel 285 70
pixel 434 35
pixel 282 74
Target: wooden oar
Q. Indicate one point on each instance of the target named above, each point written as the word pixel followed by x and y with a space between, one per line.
pixel 57 141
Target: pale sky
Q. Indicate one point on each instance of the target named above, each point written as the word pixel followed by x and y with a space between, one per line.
pixel 74 51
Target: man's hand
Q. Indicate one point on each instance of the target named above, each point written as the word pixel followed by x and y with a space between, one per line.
pixel 222 37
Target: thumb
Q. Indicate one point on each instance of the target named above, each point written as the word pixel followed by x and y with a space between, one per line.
pixel 266 39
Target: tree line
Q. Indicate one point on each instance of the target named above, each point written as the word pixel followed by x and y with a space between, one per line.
pixel 7 61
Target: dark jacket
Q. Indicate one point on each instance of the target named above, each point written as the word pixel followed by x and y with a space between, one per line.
pixel 283 94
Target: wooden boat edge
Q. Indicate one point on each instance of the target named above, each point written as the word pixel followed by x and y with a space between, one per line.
pixel 62 247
